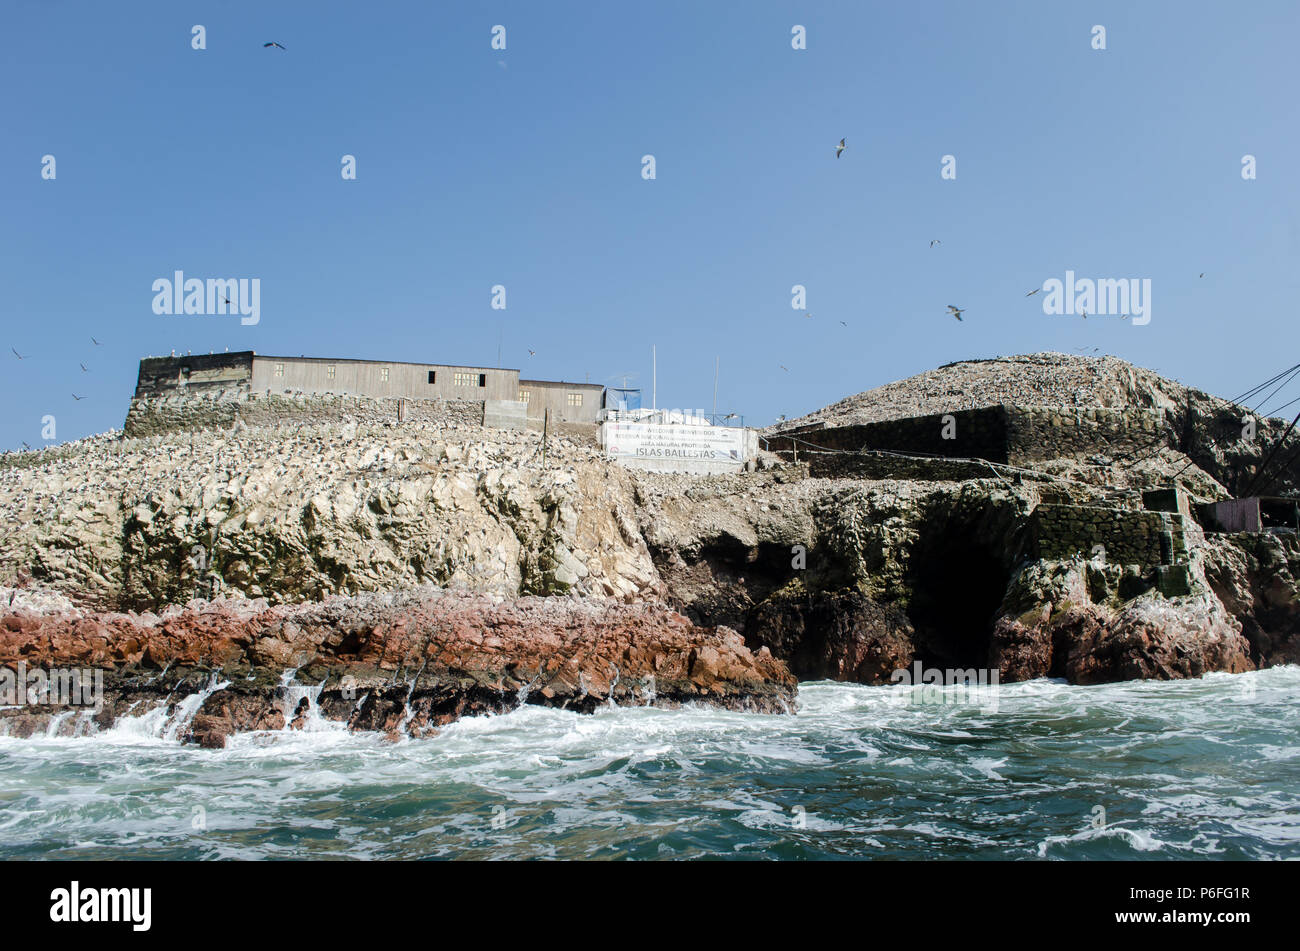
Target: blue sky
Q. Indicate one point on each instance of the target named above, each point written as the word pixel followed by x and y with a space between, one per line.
pixel 522 167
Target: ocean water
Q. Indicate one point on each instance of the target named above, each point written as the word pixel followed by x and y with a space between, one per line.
pixel 1042 770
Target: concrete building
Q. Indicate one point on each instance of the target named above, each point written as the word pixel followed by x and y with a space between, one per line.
pixel 378 379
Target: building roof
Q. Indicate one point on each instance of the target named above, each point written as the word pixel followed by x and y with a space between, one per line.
pixel 594 386
pixel 409 363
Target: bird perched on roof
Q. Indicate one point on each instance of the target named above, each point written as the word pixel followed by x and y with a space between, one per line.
pixel 273 43
pixel 839 149
pixel 781 418
pixel 956 311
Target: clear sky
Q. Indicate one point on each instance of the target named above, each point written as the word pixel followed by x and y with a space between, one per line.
pixel 523 167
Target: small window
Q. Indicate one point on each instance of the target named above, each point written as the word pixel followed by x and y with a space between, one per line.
pixel 575 399
pixel 523 396
pixel 383 374
pixel 433 376
pixel 482 379
pixel 329 372
pixel 279 369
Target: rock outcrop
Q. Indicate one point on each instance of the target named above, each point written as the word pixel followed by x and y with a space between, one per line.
pixel 398 664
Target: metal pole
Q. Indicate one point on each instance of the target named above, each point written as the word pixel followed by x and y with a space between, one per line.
pixel 715 388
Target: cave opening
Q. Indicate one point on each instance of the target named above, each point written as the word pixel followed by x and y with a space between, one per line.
pixel 958 580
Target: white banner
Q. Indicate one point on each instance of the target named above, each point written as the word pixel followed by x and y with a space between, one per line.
pixel 652 441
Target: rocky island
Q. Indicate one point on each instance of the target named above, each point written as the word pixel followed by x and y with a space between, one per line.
pixel 257 565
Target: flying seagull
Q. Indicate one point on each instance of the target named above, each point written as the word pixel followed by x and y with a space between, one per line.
pixel 1202 274
pixel 956 311
pixel 809 316
pixel 532 353
pixel 784 367
pixel 1083 314
pixel 1033 292
pixel 934 242
pixel 730 416
pixel 840 148
pixel 27 447
pixel 275 44
pixel 843 324
pixel 83 368
pixel 76 397
pixel 95 342
pixel 17 354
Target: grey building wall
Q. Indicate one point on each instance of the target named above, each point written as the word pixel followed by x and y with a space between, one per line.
pixel 197 372
pixel 558 397
pixel 236 375
pixel 380 379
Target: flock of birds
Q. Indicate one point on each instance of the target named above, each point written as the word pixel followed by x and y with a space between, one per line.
pixel 954 311
pixel 84 368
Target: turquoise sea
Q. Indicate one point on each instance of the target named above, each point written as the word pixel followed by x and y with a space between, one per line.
pixel 1035 771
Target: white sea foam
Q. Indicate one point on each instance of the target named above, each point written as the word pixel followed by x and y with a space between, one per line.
pixel 1188 769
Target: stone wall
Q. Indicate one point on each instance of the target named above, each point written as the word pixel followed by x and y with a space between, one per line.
pixel 1129 537
pixel 221 408
pixel 208 408
pixel 978 433
pixel 836 465
pixel 1037 433
pixel 1007 434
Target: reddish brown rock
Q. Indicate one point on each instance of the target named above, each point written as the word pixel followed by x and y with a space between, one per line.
pixel 406 663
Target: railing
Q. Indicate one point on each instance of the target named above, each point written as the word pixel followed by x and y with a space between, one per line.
pixel 671 417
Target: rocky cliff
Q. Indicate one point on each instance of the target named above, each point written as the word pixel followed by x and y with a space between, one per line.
pixel 839 558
